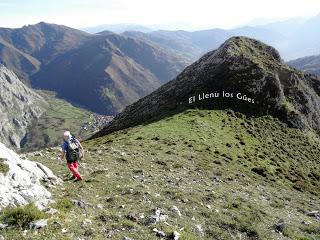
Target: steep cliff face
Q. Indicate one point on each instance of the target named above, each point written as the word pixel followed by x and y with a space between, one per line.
pixel 20 180
pixel 253 75
pixel 19 107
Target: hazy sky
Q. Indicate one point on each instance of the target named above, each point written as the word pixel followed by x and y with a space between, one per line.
pixel 181 13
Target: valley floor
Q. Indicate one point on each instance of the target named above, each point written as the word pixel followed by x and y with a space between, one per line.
pixel 230 177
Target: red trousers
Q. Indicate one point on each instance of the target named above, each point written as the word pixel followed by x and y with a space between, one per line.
pixel 73 167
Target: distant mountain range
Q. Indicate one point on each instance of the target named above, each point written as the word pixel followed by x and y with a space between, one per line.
pixel 101 72
pixel 294 38
pixel 309 64
pixel 117 28
pixel 106 71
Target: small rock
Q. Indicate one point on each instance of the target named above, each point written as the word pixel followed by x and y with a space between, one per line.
pixel 39 224
pixel 100 206
pixel 122 206
pixel 127 238
pixel 3 226
pixel 175 210
pixel 1 237
pixel 128 191
pixel 63 230
pixel 279 226
pixel 81 204
pixel 151 220
pixel 86 222
pixel 305 222
pixel 157 217
pixel 314 214
pixel 109 199
pixel 52 211
pixel 199 229
pixel 176 235
pixel 161 234
pixel 216 179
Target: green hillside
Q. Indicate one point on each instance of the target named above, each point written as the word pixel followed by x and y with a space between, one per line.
pixel 60 116
pixel 231 177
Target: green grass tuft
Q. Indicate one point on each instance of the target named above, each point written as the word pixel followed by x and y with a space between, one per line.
pixel 21 216
pixel 4 167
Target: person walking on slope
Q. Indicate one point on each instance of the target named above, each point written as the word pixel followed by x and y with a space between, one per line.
pixel 73 150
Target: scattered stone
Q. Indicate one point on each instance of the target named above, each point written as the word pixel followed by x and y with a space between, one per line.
pixel 128 191
pixel 314 214
pixel 175 210
pixel 109 199
pixel 81 204
pixel 216 179
pixel 1 237
pixel 3 226
pixel 153 219
pixel 86 222
pixel 159 233
pixel 157 217
pixel 305 222
pixel 38 154
pixel 280 226
pixel 199 229
pixel 100 206
pixel 176 235
pixel 63 230
pixel 39 224
pixel 127 238
pixel 52 211
pixel 122 206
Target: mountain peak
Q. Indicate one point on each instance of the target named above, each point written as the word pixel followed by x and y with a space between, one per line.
pixel 248 48
pixel 251 47
pixel 251 72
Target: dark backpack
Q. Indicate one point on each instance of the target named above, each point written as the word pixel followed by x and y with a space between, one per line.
pixel 73 150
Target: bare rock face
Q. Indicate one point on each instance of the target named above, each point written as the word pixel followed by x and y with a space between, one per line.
pixel 247 68
pixel 20 181
pixel 19 106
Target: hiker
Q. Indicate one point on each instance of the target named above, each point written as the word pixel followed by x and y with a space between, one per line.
pixel 73 150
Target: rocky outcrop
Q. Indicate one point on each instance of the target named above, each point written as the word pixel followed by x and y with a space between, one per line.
pixel 20 182
pixel 253 75
pixel 19 106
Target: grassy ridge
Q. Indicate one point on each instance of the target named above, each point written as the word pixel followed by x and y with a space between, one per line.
pixel 234 176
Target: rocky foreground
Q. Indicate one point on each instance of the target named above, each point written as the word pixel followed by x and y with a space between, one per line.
pixel 20 181
pixel 201 174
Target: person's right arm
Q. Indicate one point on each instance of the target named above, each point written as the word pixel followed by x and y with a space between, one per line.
pixel 62 153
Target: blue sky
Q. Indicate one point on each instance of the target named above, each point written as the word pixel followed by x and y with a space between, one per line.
pixel 179 13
